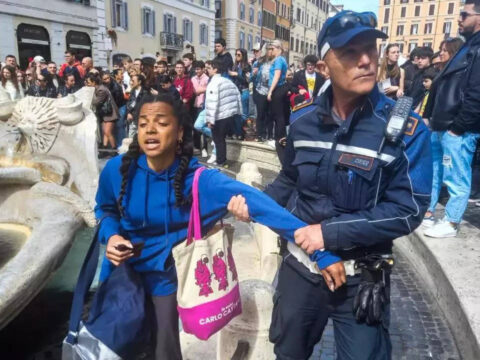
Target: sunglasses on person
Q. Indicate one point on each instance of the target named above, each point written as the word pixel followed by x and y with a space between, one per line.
pixel 28 75
pixel 352 20
pixel 466 14
pixel 238 54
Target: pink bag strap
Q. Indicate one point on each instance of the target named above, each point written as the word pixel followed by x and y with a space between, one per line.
pixel 194 224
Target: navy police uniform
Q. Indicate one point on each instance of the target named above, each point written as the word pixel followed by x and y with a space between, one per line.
pixel 364 195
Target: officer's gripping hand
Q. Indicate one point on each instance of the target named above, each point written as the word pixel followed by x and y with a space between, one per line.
pixel 310 238
pixel 239 208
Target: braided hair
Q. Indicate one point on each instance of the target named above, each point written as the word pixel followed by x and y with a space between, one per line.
pixel 184 151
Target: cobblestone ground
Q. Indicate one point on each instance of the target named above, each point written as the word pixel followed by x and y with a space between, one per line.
pixel 418 330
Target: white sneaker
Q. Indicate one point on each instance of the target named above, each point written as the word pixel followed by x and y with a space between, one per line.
pixel 428 221
pixel 212 159
pixel 271 143
pixel 204 153
pixel 443 229
pixel 477 203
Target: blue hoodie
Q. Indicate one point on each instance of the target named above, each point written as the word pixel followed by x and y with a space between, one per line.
pixel 152 217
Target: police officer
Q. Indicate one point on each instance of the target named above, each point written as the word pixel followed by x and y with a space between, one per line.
pixel 359 191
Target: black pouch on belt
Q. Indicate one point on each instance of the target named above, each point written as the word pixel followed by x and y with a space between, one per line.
pixel 371 298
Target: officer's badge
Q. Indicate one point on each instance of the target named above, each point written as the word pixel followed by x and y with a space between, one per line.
pixel 411 126
pixel 359 161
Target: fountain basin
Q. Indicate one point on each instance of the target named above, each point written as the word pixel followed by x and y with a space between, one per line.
pixel 40 230
pixel 12 239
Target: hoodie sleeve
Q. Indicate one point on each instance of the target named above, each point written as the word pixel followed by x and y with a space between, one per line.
pixel 106 210
pixel 216 190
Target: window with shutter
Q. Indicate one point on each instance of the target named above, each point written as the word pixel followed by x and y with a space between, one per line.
pixel 153 22
pixel 125 16
pixel 144 20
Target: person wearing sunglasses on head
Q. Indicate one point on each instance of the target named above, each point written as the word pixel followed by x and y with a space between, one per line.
pixel 359 190
pixel 453 113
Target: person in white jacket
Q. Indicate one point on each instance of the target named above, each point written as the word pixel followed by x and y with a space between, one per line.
pixel 222 103
pixel 9 83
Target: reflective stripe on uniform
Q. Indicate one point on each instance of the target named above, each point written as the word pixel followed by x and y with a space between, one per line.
pixel 344 148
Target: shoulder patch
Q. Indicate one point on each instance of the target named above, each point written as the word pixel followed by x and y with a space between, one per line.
pixel 302 105
pixel 411 126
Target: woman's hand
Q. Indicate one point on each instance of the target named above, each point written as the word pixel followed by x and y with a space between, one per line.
pixel 269 96
pixel 118 250
pixel 153 92
pixel 391 89
pixel 400 93
pixel 129 118
pixel 334 275
pixel 239 208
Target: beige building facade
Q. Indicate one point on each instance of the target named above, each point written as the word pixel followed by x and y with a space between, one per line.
pixel 239 22
pixel 29 28
pixel 308 17
pixel 412 23
pixel 145 28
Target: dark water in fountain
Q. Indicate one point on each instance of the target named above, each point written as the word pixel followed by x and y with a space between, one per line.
pixel 12 238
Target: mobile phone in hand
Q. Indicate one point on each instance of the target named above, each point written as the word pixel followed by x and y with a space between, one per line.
pixel 123 247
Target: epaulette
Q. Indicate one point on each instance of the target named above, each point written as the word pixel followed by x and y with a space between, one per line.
pixel 302 105
pixel 301 109
pixel 411 126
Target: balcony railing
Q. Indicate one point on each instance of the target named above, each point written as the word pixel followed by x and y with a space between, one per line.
pixel 171 41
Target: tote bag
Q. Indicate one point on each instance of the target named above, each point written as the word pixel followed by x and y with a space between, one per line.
pixel 120 322
pixel 208 293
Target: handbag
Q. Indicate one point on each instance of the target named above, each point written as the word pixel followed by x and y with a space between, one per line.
pixel 208 293
pixel 106 109
pixel 120 322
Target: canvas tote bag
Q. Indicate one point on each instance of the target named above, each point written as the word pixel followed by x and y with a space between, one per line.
pixel 208 292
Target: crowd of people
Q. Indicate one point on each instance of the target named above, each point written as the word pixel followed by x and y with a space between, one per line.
pixel 226 93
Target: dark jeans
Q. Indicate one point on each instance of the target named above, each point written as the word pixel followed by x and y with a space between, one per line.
pixel 167 338
pixel 302 306
pixel 262 115
pixel 280 111
pixel 219 132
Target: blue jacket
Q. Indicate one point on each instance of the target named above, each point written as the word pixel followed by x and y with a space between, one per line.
pixel 152 217
pixel 363 196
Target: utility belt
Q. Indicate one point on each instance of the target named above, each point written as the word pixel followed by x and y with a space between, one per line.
pixel 371 297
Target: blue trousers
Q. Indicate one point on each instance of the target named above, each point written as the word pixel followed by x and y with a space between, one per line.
pixel 120 125
pixel 452 166
pixel 302 306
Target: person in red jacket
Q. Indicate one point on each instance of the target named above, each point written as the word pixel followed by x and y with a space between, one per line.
pixel 183 84
pixel 70 63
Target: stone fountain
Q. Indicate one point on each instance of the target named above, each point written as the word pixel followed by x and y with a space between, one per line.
pixel 48 180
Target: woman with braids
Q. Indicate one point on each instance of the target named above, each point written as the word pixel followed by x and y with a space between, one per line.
pixel 143 197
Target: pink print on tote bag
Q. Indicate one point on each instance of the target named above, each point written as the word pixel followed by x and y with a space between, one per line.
pixel 208 295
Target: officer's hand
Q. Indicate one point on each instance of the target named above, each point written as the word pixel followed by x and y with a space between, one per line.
pixel 310 238
pixel 334 275
pixel 239 208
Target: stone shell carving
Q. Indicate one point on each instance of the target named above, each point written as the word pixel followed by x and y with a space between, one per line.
pixel 36 118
